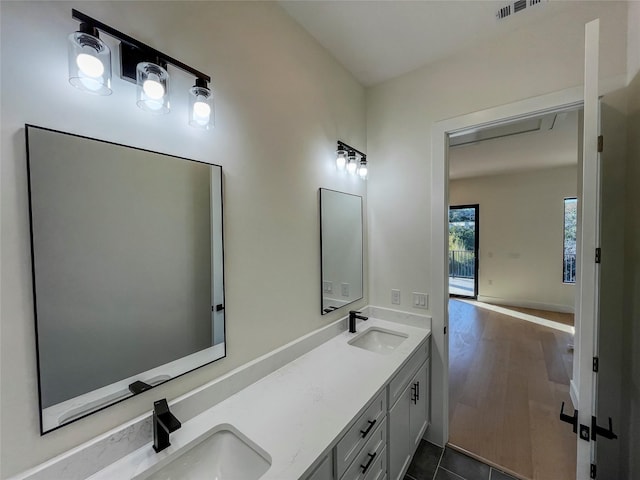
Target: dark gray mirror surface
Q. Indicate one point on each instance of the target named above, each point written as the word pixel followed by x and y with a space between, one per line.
pixel 341 239
pixel 127 270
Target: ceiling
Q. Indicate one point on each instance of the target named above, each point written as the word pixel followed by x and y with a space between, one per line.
pixel 554 144
pixel 379 40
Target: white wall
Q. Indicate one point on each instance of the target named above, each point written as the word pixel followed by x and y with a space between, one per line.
pixel 521 235
pixel 544 57
pixel 282 102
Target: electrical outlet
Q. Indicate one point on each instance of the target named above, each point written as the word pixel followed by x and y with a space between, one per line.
pixel 395 297
pixel 345 289
pixel 420 300
pixel 327 287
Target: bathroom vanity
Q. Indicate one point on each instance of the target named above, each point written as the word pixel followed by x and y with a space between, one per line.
pixel 340 411
pixel 353 407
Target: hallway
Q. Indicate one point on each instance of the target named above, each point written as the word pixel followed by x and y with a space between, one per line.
pixel 508 378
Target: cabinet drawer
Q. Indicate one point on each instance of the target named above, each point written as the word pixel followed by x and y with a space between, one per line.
pixel 360 432
pixel 371 462
pixel 402 378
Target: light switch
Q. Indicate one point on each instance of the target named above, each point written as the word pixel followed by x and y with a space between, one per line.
pixel 327 287
pixel 420 300
pixel 345 289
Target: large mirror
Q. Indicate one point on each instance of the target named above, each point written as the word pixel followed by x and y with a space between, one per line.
pixel 127 270
pixel 341 248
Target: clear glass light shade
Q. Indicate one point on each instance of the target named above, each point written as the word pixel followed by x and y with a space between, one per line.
pixel 341 159
pixel 352 166
pixel 89 64
pixel 153 88
pixel 363 170
pixel 201 108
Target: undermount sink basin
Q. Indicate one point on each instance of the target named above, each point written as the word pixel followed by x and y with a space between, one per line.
pixel 222 454
pixel 378 340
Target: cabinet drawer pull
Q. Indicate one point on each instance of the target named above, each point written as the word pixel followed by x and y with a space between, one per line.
pixel 364 433
pixel 418 391
pixel 366 467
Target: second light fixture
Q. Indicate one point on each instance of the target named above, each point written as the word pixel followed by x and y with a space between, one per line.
pixel 346 159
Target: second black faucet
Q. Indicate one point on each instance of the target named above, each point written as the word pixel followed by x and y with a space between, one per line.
pixel 353 315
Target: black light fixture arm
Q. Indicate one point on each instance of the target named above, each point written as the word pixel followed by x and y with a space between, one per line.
pixel 132 42
pixel 344 146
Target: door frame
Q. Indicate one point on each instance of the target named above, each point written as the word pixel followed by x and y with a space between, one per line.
pixel 571 98
pixel 476 246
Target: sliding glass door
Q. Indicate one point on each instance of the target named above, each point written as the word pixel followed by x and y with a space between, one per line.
pixel 463 250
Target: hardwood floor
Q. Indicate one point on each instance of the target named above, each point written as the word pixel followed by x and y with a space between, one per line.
pixel 507 379
pixel 565 318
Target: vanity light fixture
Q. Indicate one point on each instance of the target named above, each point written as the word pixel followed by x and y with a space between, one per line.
pixel 90 70
pixel 346 159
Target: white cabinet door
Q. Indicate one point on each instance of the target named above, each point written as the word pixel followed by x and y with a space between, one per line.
pixel 324 470
pixel 419 404
pixel 400 445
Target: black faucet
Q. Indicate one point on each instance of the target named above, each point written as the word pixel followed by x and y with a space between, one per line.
pixel 164 422
pixel 353 315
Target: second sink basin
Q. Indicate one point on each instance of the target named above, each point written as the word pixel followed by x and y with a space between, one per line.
pixel 378 340
pixel 222 454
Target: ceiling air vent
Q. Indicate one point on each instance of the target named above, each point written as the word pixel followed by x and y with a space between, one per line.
pixel 516 7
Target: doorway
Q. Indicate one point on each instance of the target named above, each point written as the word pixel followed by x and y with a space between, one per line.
pixel 464 222
pixel 508 373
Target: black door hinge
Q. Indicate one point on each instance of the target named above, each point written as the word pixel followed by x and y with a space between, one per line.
pixel 596 364
pixel 600 143
pixel 592 473
pixel 598 255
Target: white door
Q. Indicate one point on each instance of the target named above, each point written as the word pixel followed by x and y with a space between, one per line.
pixel 587 281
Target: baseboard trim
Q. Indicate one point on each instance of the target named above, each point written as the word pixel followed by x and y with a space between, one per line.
pixel 485 461
pixel 551 307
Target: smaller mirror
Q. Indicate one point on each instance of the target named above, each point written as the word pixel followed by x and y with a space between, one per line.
pixel 341 249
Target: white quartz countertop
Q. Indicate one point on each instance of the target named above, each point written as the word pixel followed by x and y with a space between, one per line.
pixel 296 413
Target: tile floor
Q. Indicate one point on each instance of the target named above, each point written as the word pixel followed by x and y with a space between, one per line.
pixel 434 463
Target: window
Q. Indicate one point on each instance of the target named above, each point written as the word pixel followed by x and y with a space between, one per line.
pixel 569 250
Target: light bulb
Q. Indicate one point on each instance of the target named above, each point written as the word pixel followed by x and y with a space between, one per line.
pixel 201 111
pixel 89 61
pixel 362 171
pixel 341 159
pixel 89 65
pixel 351 166
pixel 153 88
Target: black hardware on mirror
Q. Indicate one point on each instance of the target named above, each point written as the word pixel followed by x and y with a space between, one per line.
pixel 164 423
pixel 353 315
pixel 366 467
pixel 571 420
pixel 139 387
pixel 364 433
